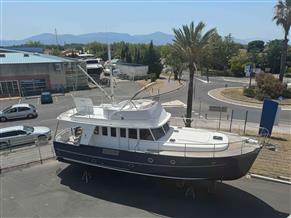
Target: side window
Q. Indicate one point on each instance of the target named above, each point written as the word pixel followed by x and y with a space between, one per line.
pixel 104 130
pixel 132 133
pixel 12 110
pixel 20 109
pixel 158 133
pixel 20 132
pixel 122 132
pixel 96 130
pixel 12 133
pixel 113 132
pixel 145 134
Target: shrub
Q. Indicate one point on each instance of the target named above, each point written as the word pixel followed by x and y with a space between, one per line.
pixel 268 86
pixel 286 93
pixel 249 92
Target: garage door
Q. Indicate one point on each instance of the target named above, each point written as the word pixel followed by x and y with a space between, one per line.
pixel 32 87
pixel 9 88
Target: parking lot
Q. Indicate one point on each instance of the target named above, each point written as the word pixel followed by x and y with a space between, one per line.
pixel 55 189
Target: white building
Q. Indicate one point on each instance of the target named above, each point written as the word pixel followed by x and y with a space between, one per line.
pixel 132 71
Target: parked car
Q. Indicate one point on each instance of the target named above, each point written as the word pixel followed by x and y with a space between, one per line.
pixel 18 111
pixel 46 98
pixel 18 135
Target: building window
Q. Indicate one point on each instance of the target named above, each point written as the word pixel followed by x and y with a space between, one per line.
pixel 145 134
pixel 104 131
pixel 122 132
pixel 113 132
pixel 132 133
pixel 96 130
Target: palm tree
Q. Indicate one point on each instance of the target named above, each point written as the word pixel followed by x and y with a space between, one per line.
pixel 283 18
pixel 190 43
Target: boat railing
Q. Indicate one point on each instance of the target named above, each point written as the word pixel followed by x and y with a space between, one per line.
pixel 230 148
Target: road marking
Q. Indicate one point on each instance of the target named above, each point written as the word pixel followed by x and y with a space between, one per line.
pixel 38 101
pixel 201 80
pixel 175 103
pixel 56 98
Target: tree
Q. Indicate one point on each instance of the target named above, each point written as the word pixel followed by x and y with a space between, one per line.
pixel 173 60
pixel 283 18
pixel 189 43
pixel 31 43
pixel 256 46
pixel 274 55
pixel 237 64
pixel 152 59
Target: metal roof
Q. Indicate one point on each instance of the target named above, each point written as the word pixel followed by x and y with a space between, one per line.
pixel 17 57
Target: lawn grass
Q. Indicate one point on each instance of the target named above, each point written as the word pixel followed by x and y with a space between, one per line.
pixel 237 94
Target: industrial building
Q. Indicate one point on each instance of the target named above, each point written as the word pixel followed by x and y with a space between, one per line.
pixel 26 73
pixel 132 71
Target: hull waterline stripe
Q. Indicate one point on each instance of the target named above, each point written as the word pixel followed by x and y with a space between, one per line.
pixel 130 162
pixel 132 172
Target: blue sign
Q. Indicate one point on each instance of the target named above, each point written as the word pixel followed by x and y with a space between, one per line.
pixel 268 116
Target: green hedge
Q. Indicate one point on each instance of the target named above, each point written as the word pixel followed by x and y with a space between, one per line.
pixel 249 92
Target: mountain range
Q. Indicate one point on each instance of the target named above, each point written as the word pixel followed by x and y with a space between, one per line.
pixel 159 38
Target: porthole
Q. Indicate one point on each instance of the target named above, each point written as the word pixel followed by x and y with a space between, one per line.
pixel 150 160
pixel 173 162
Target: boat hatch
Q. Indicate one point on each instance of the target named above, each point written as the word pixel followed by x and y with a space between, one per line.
pixel 220 138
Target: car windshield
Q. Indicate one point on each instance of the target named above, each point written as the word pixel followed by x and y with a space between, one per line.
pixel 28 129
pixel 6 109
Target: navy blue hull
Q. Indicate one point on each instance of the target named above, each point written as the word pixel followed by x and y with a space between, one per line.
pixel 188 168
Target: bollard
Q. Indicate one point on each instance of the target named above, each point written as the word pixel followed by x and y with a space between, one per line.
pixel 231 121
pixel 246 119
pixel 219 120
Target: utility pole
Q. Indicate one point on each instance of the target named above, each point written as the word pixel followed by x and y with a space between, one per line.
pixel 56 34
pixel 111 78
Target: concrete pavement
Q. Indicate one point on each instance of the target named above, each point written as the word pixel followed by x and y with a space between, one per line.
pixel 59 190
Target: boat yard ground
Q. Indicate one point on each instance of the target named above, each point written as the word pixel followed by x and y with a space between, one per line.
pixel 60 190
pixel 108 194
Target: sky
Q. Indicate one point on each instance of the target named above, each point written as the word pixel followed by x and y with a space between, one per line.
pixel 244 19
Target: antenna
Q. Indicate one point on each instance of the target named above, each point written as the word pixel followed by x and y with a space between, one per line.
pixel 111 77
pixel 56 33
pixel 84 71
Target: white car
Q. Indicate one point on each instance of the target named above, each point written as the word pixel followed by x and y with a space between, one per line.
pixel 18 111
pixel 18 135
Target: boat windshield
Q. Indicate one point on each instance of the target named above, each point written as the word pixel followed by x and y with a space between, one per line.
pixel 166 127
pixel 158 133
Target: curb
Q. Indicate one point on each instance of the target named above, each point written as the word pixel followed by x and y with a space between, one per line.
pixel 239 103
pixel 37 96
pixel 257 176
pixel 27 165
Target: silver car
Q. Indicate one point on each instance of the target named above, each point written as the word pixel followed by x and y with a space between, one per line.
pixel 18 135
pixel 18 111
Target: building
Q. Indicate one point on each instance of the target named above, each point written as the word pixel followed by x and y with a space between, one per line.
pixel 26 73
pixel 132 71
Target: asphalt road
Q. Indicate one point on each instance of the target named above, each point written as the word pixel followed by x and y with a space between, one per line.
pixel 48 113
pixel 58 190
pixel 201 98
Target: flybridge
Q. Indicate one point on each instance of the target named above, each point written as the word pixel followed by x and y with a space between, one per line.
pixel 136 113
